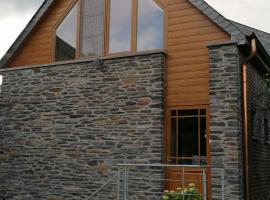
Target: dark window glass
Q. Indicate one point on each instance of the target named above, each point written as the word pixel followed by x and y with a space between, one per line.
pixel 188 137
pixel 120 26
pixel 66 35
pixel 203 136
pixel 92 28
pixel 187 112
pixel 173 139
pixel 202 112
pixel 173 113
pixel 150 25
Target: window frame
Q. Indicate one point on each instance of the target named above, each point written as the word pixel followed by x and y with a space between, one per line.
pixel 106 24
pixel 60 20
pixel 134 28
pixel 168 135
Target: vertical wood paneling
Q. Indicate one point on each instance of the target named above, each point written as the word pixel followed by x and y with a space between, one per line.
pixel 187 66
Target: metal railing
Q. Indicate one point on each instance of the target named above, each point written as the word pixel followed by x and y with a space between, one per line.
pixel 150 181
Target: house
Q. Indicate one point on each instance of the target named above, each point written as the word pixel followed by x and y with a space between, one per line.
pixel 161 81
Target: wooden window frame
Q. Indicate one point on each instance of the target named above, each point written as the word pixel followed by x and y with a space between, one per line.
pixel 106 31
pixel 134 27
pixel 168 136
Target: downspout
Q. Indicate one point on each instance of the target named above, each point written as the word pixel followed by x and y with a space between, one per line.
pixel 245 118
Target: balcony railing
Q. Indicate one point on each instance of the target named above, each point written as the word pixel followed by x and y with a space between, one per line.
pixel 158 181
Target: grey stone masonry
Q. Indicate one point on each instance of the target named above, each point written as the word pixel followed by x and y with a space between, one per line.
pixel 225 121
pixel 64 127
pixel 259 140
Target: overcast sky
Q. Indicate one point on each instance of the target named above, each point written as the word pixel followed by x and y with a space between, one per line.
pixel 14 15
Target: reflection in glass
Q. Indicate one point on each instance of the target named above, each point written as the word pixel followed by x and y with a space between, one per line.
pixel 92 28
pixel 120 26
pixel 150 25
pixel 66 36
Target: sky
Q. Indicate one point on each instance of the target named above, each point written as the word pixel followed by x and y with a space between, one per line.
pixel 15 14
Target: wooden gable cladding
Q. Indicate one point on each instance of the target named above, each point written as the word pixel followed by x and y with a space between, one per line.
pixel 187 32
pixel 38 47
pixel 187 65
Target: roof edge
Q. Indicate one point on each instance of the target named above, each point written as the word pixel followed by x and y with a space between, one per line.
pixel 26 31
pixel 218 19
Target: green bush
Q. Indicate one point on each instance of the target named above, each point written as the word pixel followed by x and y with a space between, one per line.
pixel 190 193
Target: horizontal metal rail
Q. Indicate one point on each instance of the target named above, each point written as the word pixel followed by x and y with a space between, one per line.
pixel 164 165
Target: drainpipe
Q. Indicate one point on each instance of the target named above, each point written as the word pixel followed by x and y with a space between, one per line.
pixel 245 117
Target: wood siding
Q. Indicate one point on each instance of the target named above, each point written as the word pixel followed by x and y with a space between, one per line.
pixel 188 31
pixel 38 47
pixel 187 70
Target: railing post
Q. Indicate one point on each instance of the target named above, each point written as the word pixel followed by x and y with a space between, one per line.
pixel 222 185
pixel 204 185
pixel 183 182
pixel 118 183
pixel 126 180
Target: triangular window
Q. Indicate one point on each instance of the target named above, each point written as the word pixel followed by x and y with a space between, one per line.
pixel 66 36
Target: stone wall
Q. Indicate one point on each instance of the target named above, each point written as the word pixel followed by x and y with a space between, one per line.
pixel 63 128
pixel 259 143
pixel 225 121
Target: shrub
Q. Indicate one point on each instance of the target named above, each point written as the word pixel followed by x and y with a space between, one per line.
pixel 190 193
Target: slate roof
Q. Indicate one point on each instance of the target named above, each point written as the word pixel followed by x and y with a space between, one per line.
pixel 261 35
pixel 219 19
pixel 237 31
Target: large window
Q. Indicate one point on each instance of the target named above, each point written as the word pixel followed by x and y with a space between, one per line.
pixel 120 26
pixel 93 28
pixel 66 35
pixel 150 25
pixel 188 136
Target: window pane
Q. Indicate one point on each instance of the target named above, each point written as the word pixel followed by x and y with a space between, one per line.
pixel 150 25
pixel 188 137
pixel 203 136
pixel 92 28
pixel 187 112
pixel 202 112
pixel 66 36
pixel 173 113
pixel 173 139
pixel 120 25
